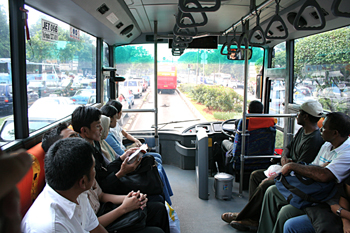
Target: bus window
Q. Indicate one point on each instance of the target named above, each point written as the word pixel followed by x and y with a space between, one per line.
pixel 279 56
pixel 6 106
pixel 180 79
pixel 277 94
pixel 105 55
pixel 321 69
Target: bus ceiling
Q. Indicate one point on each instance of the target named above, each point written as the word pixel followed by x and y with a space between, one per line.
pixel 120 22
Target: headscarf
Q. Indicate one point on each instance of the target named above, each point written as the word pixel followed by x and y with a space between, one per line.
pixel 107 150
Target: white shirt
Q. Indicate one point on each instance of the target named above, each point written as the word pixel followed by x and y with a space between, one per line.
pixel 338 158
pixel 117 132
pixel 53 213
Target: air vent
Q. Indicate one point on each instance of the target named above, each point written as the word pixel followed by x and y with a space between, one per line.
pixel 315 15
pixel 280 28
pixel 258 37
pixel 127 30
pixel 291 16
pixel 270 33
pixel 268 42
pixel 130 35
pixel 119 25
pixel 103 9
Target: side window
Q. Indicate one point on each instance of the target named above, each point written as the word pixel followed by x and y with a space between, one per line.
pixel 279 56
pixel 321 69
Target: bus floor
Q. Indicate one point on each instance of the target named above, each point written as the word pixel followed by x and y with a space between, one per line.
pixel 198 215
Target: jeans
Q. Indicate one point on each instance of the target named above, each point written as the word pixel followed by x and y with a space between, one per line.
pixel 300 224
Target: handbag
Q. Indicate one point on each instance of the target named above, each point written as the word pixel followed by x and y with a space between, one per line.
pixel 129 222
pixel 301 191
pixel 145 177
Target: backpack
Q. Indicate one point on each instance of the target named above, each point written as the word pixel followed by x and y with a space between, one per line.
pixel 301 191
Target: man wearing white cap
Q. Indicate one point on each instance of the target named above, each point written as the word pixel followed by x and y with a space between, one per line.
pixel 303 148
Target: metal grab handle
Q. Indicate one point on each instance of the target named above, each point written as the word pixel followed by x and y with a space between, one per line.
pixel 180 19
pixel 222 49
pixel 335 9
pixel 257 29
pixel 184 31
pixel 310 3
pixel 276 18
pixel 183 6
pixel 183 39
pixel 180 45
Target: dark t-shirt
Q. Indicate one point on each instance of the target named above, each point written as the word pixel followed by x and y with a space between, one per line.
pixel 304 148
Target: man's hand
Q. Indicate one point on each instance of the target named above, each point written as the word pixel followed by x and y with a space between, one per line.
pixel 127 153
pixel 285 160
pixel 131 202
pixel 287 168
pixel 128 167
pixel 142 198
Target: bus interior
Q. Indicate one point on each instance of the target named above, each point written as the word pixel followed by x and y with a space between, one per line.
pixel 298 50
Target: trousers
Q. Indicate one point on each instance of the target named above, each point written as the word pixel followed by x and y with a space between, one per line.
pixel 256 195
pixel 275 211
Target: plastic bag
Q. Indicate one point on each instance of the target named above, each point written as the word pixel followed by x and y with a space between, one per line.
pixel 174 222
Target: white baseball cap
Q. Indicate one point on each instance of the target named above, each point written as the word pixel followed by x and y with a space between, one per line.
pixel 312 107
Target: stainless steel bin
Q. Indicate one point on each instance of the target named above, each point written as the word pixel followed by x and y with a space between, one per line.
pixel 223 186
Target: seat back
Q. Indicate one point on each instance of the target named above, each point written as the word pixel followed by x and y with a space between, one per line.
pixel 260 141
pixel 34 181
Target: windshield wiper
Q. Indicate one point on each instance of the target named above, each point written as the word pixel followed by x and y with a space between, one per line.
pixel 173 122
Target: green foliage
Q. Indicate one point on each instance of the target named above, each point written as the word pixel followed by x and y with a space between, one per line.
pixel 223 116
pixel 215 97
pixel 4 34
pixel 279 139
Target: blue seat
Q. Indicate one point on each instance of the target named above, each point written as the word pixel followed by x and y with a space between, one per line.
pixel 259 142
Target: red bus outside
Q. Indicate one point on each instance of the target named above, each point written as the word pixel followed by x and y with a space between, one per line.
pixel 167 78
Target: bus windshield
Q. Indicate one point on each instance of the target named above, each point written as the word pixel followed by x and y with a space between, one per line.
pixel 180 80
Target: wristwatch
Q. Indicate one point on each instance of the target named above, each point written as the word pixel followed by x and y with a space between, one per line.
pixel 339 210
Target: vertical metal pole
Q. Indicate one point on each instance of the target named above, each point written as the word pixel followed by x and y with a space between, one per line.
pixel 156 87
pixel 112 85
pixel 289 122
pixel 246 70
pixel 99 47
pixel 18 69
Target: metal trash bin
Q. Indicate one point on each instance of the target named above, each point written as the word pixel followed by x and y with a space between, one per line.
pixel 223 186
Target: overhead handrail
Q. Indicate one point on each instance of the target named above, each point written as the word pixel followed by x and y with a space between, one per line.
pixel 223 47
pixel 319 11
pixel 335 9
pixel 232 42
pixel 257 29
pixel 276 18
pixel 244 37
pixel 177 31
pixel 184 3
pixel 264 5
pixel 181 16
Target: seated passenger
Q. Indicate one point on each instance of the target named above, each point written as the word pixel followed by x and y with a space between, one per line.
pixel 303 148
pixel 111 112
pixel 118 131
pixel 107 150
pixel 157 212
pixel 324 218
pixel 255 106
pixel 334 154
pixel 63 205
pixel 86 121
